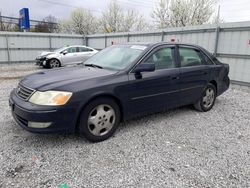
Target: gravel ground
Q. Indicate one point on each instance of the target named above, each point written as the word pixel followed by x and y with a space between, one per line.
pixel 17 71
pixel 177 148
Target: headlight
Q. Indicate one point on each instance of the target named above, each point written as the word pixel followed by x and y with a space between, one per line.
pixel 53 98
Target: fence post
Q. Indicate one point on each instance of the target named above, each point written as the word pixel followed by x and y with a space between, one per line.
pixel 128 38
pixel 105 42
pixel 162 36
pixel 217 34
pixel 50 43
pixel 8 49
pixel 86 40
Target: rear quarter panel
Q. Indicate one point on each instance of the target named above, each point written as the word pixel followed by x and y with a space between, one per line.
pixel 219 74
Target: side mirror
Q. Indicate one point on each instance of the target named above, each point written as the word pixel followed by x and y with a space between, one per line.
pixel 144 67
pixel 64 52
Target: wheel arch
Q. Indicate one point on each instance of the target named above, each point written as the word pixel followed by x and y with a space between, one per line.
pixel 56 59
pixel 215 84
pixel 104 95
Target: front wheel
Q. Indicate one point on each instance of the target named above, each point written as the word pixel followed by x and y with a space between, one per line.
pixel 206 102
pixel 53 63
pixel 99 119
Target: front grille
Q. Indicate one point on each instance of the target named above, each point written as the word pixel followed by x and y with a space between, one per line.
pixel 24 92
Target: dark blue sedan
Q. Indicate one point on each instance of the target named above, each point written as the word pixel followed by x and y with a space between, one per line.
pixel 118 83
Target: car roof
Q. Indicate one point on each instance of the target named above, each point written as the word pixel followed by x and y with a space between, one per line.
pixel 148 44
pixel 76 46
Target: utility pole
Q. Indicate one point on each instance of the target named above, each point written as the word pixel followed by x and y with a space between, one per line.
pixel 1 23
pixel 218 16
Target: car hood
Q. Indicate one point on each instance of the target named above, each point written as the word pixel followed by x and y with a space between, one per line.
pixel 46 53
pixel 52 79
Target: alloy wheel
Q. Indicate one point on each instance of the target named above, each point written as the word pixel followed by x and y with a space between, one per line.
pixel 208 98
pixel 54 63
pixel 101 120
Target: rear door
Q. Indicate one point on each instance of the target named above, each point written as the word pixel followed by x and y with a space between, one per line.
pixel 194 73
pixel 156 90
pixel 85 53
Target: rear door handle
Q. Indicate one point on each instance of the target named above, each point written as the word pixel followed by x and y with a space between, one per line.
pixel 175 77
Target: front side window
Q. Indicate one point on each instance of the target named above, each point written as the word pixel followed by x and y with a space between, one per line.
pixel 191 57
pixel 162 58
pixel 71 50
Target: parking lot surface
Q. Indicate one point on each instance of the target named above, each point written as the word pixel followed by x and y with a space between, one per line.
pixel 177 148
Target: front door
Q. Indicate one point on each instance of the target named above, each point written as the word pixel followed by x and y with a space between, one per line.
pixel 71 56
pixel 157 90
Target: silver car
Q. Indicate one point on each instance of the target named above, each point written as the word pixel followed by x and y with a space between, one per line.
pixel 65 56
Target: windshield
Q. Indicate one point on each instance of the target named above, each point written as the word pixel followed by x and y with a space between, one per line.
pixel 60 50
pixel 116 57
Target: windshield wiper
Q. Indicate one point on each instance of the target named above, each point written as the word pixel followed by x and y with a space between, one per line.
pixel 93 65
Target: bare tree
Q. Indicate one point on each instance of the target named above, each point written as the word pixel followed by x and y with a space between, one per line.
pixel 217 19
pixel 161 15
pixel 178 13
pixel 128 20
pixel 48 25
pixel 112 18
pixel 8 24
pixel 115 19
pixel 141 24
pixel 51 23
pixel 81 22
pixel 66 26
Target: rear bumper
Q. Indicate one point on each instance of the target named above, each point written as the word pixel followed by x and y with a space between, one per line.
pixel 62 119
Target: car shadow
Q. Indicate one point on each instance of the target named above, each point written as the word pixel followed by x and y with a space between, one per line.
pixel 64 138
pixel 45 140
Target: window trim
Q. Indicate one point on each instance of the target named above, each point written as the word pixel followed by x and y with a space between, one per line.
pixel 150 52
pixel 199 55
pixel 195 48
pixel 88 49
pixel 72 47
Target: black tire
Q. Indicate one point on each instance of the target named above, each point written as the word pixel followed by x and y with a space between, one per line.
pixel 86 129
pixel 54 63
pixel 202 105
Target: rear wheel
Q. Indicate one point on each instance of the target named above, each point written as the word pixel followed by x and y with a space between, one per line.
pixel 53 63
pixel 206 102
pixel 99 119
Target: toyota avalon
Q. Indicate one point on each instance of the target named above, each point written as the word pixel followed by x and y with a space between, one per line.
pixel 118 83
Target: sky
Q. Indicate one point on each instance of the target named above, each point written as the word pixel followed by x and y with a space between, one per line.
pixel 230 10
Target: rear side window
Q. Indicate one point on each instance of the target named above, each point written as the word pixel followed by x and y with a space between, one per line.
pixel 162 58
pixel 82 49
pixel 191 57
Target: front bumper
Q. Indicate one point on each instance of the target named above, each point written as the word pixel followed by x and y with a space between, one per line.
pixel 63 119
pixel 41 61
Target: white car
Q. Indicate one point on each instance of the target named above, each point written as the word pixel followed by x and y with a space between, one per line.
pixel 65 56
